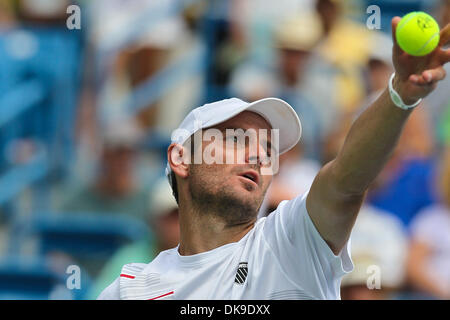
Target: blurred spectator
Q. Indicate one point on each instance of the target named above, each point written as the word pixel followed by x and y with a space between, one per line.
pixel 252 82
pixel 250 33
pixel 444 125
pixel 378 248
pixel 294 40
pixel 7 15
pixel 43 11
pixel 335 74
pixel 345 42
pixel 163 220
pixel 429 255
pixel 379 64
pixel 405 185
pixel 115 189
pixel 135 56
pixel 254 23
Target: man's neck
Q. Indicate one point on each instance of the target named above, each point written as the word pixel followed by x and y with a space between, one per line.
pixel 200 232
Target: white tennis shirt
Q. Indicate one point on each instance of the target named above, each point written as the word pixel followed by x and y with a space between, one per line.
pixel 282 257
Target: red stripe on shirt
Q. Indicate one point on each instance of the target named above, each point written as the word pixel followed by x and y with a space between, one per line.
pixel 166 294
pixel 126 276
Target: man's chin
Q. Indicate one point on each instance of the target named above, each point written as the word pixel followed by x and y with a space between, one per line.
pixel 233 205
pixel 232 199
pixel 243 198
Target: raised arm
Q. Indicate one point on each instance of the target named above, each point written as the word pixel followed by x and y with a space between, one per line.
pixel 338 191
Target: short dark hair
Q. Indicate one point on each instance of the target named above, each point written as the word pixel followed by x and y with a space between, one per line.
pixel 173 184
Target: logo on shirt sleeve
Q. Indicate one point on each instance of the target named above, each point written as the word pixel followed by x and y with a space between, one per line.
pixel 241 273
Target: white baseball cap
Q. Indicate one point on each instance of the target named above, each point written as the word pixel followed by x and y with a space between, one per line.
pixel 277 112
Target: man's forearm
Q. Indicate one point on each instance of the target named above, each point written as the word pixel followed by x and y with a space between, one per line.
pixel 368 145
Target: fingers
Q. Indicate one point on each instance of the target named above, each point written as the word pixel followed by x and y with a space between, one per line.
pixel 394 23
pixel 445 56
pixel 428 77
pixel 443 42
pixel 445 36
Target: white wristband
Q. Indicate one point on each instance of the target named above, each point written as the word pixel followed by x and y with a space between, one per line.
pixel 397 100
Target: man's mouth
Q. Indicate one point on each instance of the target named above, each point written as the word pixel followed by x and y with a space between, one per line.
pixel 251 175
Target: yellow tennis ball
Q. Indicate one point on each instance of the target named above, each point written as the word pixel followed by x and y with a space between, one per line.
pixel 417 33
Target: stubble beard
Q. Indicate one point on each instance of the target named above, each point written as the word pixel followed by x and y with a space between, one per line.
pixel 221 201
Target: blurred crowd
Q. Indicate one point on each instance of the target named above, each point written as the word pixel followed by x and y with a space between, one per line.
pixel 143 65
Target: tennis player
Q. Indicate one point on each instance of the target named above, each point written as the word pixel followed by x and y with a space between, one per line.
pixel 301 250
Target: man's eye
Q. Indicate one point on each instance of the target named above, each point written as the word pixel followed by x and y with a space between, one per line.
pixel 233 138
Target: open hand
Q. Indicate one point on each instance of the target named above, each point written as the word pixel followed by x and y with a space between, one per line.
pixel 416 77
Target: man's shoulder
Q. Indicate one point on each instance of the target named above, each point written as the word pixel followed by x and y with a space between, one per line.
pixel 296 204
pixel 287 217
pixel 130 270
pixel 161 259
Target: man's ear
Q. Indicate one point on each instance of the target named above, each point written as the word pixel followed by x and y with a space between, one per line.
pixel 178 160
